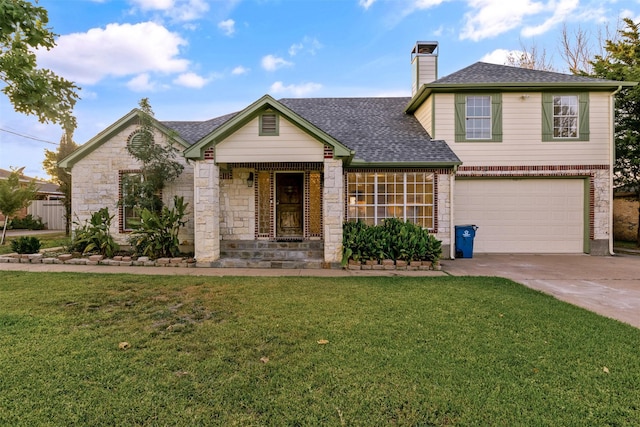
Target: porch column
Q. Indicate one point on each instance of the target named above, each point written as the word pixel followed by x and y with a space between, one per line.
pixel 206 211
pixel 333 210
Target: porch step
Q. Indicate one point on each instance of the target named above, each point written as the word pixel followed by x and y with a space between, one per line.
pixel 270 254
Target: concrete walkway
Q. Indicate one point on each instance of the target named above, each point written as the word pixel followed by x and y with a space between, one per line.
pixel 609 286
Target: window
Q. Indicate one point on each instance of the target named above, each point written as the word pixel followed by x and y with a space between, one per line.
pixel 129 188
pixel 565 116
pixel 374 196
pixel 268 124
pixel 478 117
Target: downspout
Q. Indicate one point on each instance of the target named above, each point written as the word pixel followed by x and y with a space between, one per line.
pixel 612 155
pixel 452 241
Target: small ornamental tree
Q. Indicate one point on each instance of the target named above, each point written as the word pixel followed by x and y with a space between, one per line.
pixel 14 196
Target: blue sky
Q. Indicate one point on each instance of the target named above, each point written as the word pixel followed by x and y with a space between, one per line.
pixel 198 59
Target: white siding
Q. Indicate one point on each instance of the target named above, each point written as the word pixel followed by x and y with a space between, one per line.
pixel 522 134
pixel 291 145
pixel 424 114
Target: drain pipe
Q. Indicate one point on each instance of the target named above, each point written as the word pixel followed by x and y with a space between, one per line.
pixel 452 242
pixel 612 159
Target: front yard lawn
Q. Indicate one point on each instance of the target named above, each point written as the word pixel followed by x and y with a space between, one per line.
pixel 307 351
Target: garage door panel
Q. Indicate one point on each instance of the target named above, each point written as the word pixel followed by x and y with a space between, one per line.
pixel 523 215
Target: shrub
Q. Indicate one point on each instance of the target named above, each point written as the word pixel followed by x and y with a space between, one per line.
pixel 394 239
pixel 27 223
pixel 156 233
pixel 94 235
pixel 26 245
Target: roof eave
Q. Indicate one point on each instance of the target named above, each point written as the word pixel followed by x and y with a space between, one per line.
pixel 427 89
pixel 358 163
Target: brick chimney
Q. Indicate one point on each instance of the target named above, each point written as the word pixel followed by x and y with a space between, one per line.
pixel 424 64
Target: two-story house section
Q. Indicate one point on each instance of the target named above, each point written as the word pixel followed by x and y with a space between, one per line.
pixel 536 149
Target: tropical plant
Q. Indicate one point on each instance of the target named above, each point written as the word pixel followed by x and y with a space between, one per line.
pixel 156 233
pixel 26 245
pixel 94 235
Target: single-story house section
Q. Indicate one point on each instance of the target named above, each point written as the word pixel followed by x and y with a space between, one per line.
pixel 526 155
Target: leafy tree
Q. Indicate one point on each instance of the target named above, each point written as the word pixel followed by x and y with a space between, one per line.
pixel 622 62
pixel 14 196
pixel 32 90
pixel 159 164
pixel 59 175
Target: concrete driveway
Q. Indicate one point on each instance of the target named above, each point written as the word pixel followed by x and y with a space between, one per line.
pixel 609 286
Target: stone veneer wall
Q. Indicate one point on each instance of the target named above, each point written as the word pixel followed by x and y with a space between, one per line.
pixel 237 206
pixel 206 183
pixel 96 185
pixel 443 232
pixel 599 193
pixel 333 209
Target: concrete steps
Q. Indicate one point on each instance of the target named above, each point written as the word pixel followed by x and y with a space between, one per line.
pixel 269 254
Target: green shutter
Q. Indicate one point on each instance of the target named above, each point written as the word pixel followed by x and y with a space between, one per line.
pixel 461 101
pixel 547 116
pixel 496 117
pixel 583 118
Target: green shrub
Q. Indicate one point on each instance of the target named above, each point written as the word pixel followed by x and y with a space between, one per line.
pixel 156 233
pixel 27 223
pixel 393 239
pixel 94 235
pixel 26 245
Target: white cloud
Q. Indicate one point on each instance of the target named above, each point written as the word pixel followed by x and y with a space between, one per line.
pixel 141 83
pixel 178 10
pixel 490 18
pixel 191 80
pixel 239 70
pixel 87 58
pixel 560 13
pixel 366 3
pixel 272 63
pixel 499 56
pixel 295 90
pixel 426 4
pixel 308 44
pixel 227 27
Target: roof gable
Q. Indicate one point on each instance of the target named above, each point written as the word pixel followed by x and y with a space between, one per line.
pixel 238 120
pixel 108 133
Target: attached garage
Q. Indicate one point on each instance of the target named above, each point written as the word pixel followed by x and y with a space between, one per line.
pixel 523 215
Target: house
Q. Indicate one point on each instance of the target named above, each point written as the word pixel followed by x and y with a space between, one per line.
pixel 526 155
pixel 45 191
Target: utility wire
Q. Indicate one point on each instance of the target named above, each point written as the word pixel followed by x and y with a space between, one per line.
pixel 28 137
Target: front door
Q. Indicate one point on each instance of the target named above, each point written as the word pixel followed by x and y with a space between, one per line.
pixel 289 199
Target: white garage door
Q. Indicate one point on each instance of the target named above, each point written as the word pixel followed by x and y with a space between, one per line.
pixel 523 215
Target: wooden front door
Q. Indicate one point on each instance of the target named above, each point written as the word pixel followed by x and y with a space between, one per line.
pixel 289 205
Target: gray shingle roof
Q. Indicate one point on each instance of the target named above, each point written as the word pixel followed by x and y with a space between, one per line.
pixel 192 132
pixel 482 72
pixel 376 128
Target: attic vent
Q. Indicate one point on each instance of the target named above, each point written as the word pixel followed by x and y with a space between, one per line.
pixel 269 124
pixel 137 138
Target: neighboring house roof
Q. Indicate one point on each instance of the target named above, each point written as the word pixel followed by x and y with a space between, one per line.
pixel 484 76
pixel 377 129
pixel 44 187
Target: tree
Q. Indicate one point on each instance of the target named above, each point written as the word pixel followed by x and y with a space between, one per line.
pixel 14 196
pixel 32 90
pixel 159 167
pixel 578 48
pixel 530 57
pixel 622 63
pixel 59 175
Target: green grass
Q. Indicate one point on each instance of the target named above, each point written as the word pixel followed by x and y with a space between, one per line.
pixel 401 351
pixel 48 241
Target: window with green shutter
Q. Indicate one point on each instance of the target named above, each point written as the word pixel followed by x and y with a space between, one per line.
pixel 565 116
pixel 478 117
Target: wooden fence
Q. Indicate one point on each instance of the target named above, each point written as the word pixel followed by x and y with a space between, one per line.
pixel 51 212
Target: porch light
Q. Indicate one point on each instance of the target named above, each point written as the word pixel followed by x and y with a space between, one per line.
pixel 250 180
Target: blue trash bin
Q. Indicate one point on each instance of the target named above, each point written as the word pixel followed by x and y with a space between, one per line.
pixel 464 240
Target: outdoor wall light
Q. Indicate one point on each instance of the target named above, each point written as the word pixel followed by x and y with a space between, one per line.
pixel 250 180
